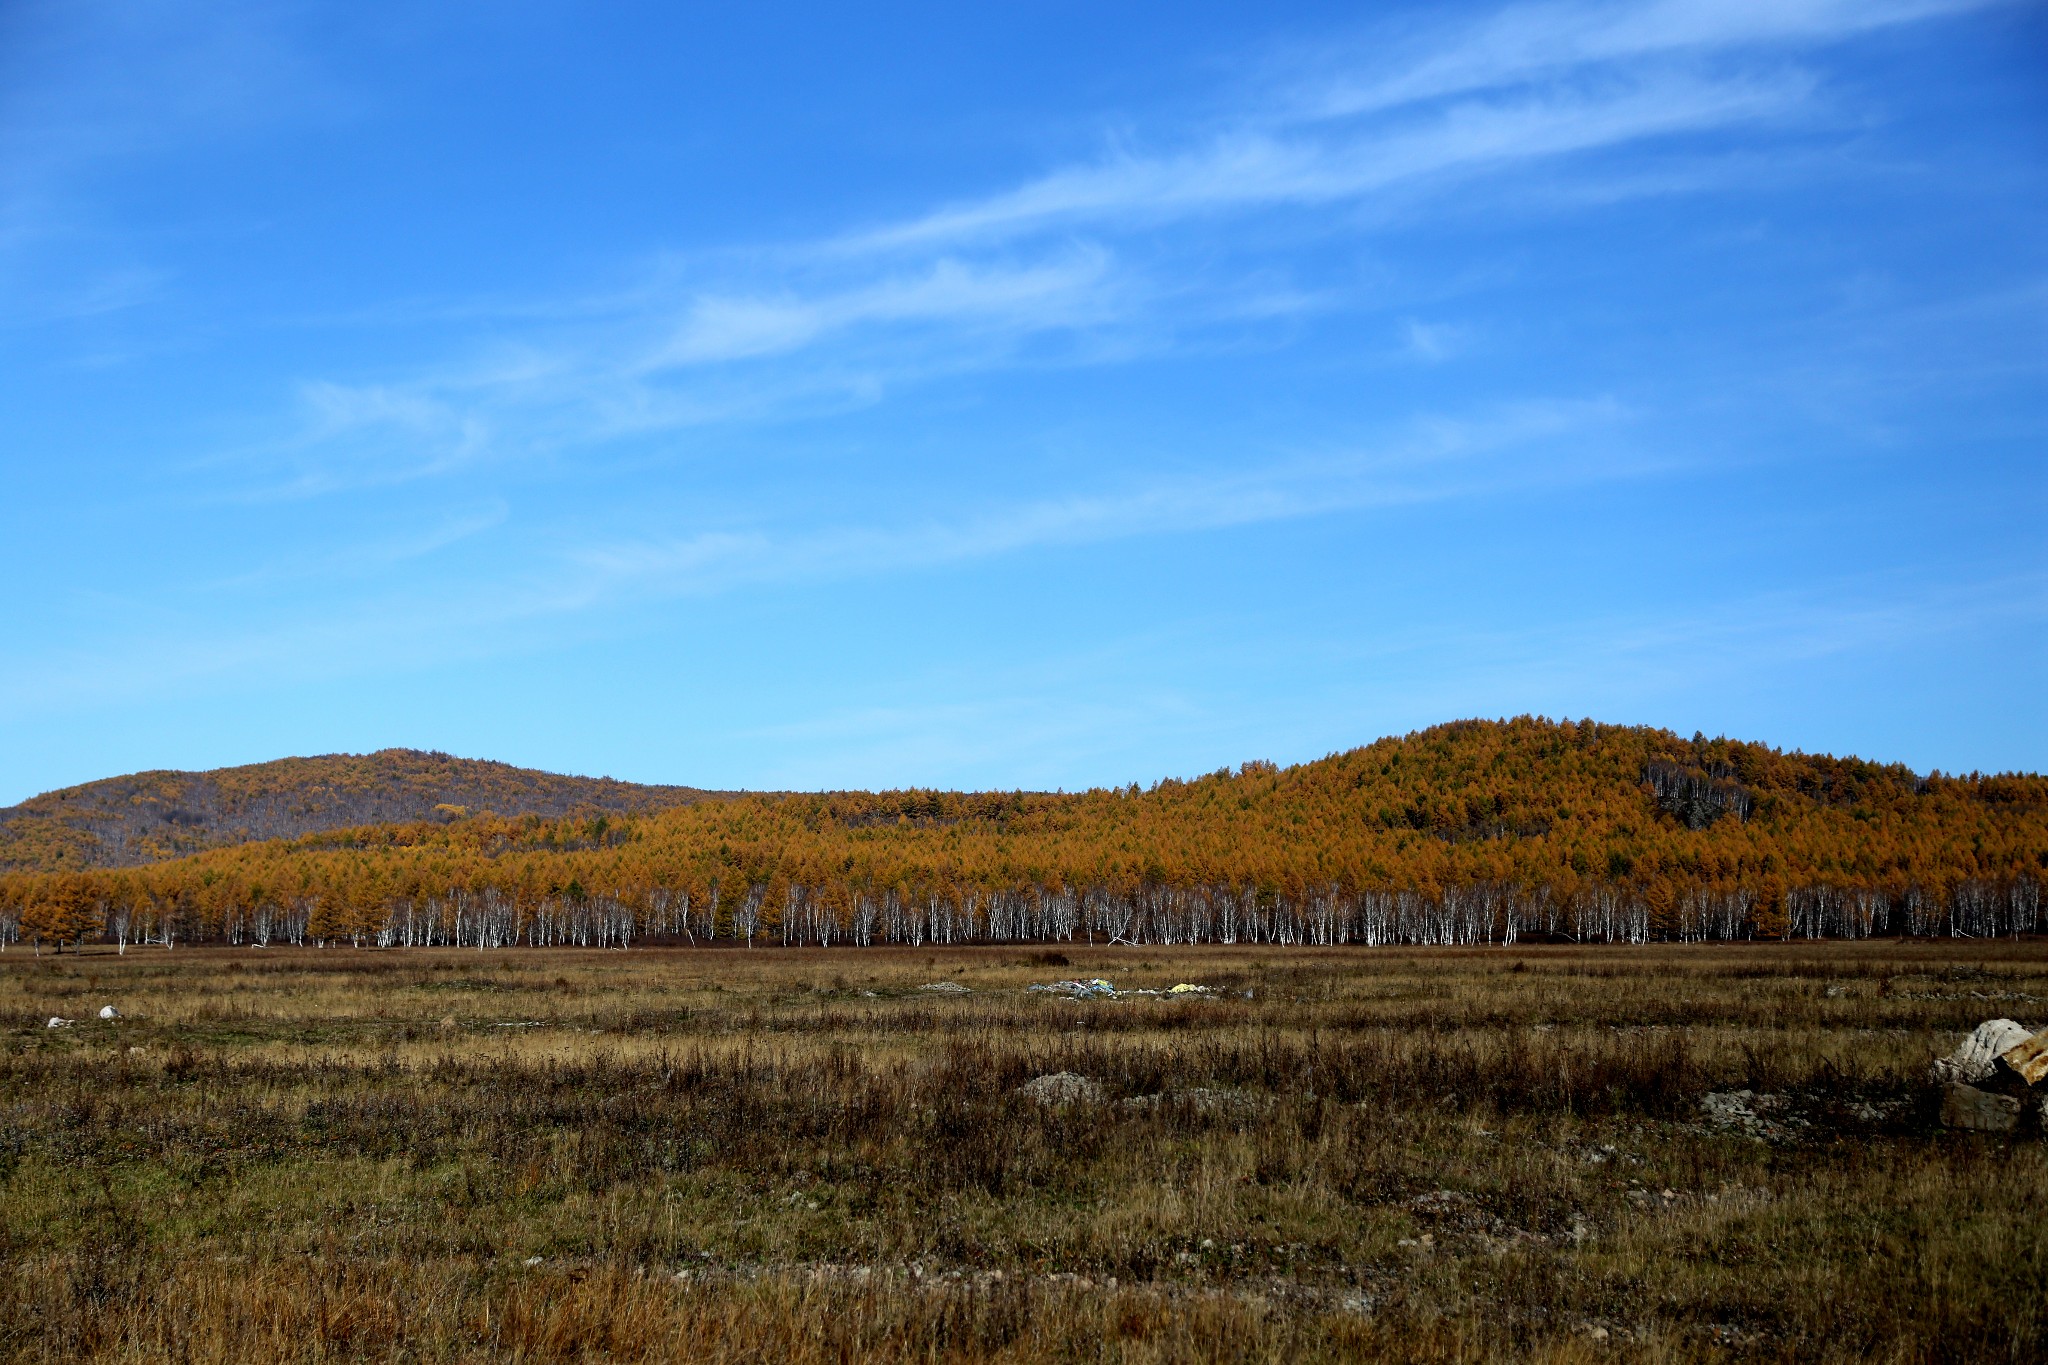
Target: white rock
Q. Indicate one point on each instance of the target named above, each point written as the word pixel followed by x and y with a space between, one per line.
pixel 1061 1089
pixel 109 1012
pixel 56 1022
pixel 1974 1060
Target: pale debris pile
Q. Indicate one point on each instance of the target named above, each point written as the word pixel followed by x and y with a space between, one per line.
pixel 1760 1116
pixel 1095 988
pixel 1230 1102
pixel 59 1021
pixel 1994 1077
pixel 1061 1089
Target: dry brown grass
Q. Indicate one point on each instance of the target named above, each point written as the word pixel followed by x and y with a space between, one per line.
pixel 801 1155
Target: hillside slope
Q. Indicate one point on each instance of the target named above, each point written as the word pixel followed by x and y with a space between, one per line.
pixel 150 816
pixel 1467 832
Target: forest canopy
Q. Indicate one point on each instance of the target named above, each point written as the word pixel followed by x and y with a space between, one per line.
pixel 1473 831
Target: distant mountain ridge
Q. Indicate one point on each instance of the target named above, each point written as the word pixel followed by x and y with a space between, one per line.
pixel 147 817
pixel 1468 832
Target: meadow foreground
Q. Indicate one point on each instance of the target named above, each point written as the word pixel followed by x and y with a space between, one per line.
pixel 809 1155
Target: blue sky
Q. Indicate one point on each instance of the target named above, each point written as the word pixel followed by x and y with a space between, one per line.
pixel 799 396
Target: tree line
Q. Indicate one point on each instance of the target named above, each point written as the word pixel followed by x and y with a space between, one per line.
pixel 1472 832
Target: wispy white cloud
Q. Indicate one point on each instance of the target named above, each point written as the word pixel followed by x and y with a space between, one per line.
pixel 656 361
pixel 764 332
pixel 1528 82
pixel 1065 292
pixel 1309 167
pixel 1433 460
pixel 1522 44
pixel 1437 459
pixel 1215 232
pixel 1106 259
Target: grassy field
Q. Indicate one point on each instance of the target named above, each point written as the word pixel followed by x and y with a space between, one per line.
pixel 806 1155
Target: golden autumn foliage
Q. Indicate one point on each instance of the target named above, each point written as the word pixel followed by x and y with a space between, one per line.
pixel 1470 831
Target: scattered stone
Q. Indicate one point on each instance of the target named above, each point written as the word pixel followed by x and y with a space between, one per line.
pixel 1728 1107
pixel 109 1012
pixel 59 1022
pixel 1214 1101
pixel 1231 1101
pixel 1965 1106
pixel 1440 1201
pixel 1188 988
pixel 946 988
pixel 1060 1089
pixel 1749 1113
pixel 1977 1057
pixel 1096 988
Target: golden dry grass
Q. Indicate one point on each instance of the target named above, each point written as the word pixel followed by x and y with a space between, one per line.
pixel 802 1155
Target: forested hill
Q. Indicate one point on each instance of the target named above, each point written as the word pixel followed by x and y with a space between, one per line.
pixel 1472 831
pixel 150 816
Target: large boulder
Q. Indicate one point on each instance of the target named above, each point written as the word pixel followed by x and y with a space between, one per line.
pixel 1978 1055
pixel 1965 1106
